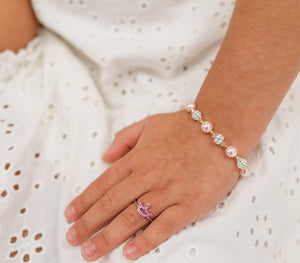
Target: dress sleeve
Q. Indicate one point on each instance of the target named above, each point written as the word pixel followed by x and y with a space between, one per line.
pixel 11 62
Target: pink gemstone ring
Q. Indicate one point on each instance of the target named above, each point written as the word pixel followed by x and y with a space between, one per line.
pixel 143 210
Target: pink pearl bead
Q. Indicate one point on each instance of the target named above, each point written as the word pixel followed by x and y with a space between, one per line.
pixel 206 126
pixel 190 106
pixel 243 172
pixel 231 151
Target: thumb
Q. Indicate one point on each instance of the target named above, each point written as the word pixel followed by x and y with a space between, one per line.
pixel 124 141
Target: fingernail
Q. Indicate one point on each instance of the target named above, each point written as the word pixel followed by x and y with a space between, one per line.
pixel 71 235
pixel 89 249
pixel 70 212
pixel 130 251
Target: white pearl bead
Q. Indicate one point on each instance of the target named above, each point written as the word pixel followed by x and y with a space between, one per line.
pixel 190 106
pixel 231 151
pixel 206 126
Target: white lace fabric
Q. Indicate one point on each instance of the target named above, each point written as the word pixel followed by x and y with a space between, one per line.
pixel 98 66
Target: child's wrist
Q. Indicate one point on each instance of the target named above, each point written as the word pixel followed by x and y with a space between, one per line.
pixel 239 128
pixel 218 138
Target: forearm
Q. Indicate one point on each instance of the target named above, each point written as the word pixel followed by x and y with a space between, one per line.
pixel 254 68
pixel 18 24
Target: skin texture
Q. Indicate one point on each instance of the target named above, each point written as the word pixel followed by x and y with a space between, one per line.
pixel 164 159
pixel 18 24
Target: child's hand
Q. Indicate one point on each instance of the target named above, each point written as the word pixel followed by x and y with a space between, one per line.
pixel 164 160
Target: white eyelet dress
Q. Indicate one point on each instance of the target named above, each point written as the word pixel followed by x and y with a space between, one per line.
pixel 97 66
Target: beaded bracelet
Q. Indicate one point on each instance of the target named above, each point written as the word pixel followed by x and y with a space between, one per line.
pixel 207 127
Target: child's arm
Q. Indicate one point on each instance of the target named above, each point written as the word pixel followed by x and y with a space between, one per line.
pixel 255 66
pixel 18 24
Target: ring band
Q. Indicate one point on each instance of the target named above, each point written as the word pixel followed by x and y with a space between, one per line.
pixel 145 212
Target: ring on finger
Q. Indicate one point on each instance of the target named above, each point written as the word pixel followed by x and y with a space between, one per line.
pixel 143 210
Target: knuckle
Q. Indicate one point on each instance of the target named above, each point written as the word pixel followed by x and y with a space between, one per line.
pixel 125 140
pixel 122 138
pixel 145 244
pixel 101 241
pixel 79 204
pixel 165 226
pixel 143 176
pixel 105 204
pixel 115 170
pixel 142 172
pixel 100 184
pixel 83 227
pixel 106 180
pixel 129 218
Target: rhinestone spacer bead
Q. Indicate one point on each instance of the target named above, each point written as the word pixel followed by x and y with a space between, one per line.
pixel 241 163
pixel 218 139
pixel 196 115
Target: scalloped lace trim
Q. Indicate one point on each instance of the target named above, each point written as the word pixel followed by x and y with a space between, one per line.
pixel 11 62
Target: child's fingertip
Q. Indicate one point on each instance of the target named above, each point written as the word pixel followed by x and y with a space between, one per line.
pixel 105 157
